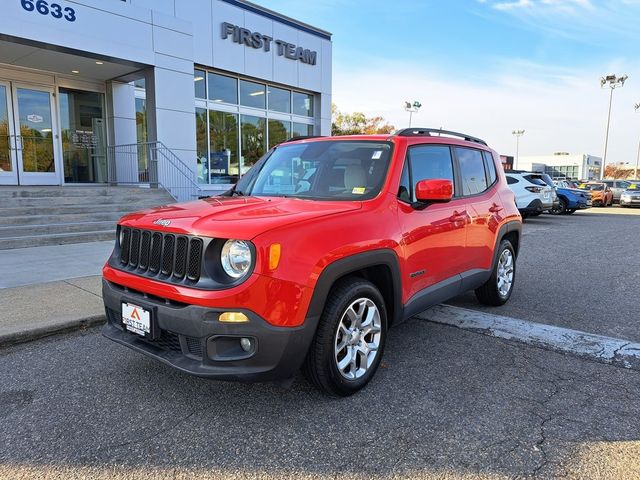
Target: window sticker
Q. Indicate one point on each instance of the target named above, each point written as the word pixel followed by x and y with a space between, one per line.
pixel 358 190
pixel 376 155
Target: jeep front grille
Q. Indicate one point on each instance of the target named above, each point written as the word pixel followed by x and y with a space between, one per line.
pixel 162 255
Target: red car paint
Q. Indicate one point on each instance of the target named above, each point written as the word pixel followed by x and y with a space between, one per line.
pixel 450 238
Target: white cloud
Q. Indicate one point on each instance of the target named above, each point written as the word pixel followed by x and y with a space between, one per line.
pixel 561 109
pixel 605 22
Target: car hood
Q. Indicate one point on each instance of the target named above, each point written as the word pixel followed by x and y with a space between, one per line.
pixel 573 190
pixel 234 217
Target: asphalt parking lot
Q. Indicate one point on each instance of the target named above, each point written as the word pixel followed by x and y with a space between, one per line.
pixel 579 271
pixel 446 404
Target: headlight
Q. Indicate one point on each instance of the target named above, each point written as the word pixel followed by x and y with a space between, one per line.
pixel 236 258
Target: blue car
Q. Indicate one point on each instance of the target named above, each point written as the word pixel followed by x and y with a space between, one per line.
pixel 570 199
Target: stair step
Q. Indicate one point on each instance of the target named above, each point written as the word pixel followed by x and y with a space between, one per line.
pixel 77 208
pixel 82 200
pixel 57 239
pixel 74 191
pixel 32 216
pixel 13 231
pixel 23 220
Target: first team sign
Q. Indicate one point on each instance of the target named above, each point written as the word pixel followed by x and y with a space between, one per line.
pixel 258 40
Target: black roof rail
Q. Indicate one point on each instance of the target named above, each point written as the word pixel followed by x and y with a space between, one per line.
pixel 419 131
pixel 303 137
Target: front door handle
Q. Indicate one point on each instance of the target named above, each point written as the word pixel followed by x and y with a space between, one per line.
pixel 495 208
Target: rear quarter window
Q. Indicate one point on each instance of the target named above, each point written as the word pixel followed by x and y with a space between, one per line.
pixel 490 166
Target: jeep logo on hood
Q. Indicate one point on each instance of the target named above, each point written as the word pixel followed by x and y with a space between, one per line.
pixel 162 222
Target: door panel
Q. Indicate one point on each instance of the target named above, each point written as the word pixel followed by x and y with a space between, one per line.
pixel 433 237
pixel 36 132
pixel 434 242
pixel 8 163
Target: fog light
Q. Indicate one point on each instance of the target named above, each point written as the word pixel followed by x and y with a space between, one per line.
pixel 233 317
pixel 245 343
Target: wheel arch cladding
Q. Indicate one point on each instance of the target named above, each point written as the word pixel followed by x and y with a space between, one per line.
pixel 380 267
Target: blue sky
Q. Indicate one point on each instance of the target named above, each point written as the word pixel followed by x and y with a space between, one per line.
pixel 489 66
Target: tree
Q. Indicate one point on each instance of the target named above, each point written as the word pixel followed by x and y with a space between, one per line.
pixel 357 123
pixel 618 171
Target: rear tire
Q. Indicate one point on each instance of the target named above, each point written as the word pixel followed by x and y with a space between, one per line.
pixel 349 342
pixel 561 209
pixel 497 290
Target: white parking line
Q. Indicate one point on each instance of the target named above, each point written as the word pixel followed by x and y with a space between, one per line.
pixel 614 351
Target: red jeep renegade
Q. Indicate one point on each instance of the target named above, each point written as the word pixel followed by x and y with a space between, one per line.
pixel 306 263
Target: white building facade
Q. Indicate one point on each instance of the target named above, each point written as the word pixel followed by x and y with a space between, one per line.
pixel 580 166
pixel 96 91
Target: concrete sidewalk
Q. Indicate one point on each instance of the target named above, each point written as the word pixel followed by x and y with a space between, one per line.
pixel 28 266
pixel 34 311
pixel 52 289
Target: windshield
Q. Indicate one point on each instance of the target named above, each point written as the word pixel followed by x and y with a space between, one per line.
pixel 592 186
pixel 321 170
pixel 634 186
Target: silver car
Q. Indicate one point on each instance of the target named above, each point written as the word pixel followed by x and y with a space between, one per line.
pixel 617 187
pixel 631 196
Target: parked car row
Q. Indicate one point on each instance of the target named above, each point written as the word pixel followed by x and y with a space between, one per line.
pixel 538 192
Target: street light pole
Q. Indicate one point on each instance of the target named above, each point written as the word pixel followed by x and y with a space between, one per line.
pixel 411 108
pixel 518 134
pixel 635 170
pixel 613 82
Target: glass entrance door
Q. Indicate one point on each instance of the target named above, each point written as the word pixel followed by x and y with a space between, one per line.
pixel 36 130
pixel 84 152
pixel 8 162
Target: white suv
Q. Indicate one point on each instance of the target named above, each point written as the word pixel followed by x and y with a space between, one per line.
pixel 533 195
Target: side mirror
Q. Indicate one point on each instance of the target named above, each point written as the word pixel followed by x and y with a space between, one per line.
pixel 433 191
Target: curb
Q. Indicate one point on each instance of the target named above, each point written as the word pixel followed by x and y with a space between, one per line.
pixel 24 336
pixel 598 348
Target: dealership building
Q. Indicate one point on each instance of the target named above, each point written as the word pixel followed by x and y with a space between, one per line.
pixel 183 94
pixel 580 166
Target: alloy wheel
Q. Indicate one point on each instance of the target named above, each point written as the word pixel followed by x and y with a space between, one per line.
pixel 358 338
pixel 505 272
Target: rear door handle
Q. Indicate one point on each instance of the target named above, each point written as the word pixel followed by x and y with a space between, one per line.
pixel 495 208
pixel 458 216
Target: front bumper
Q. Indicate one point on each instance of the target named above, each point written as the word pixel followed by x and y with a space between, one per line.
pixel 632 202
pixel 191 339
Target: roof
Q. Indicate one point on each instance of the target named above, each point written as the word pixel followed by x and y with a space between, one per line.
pixel 265 12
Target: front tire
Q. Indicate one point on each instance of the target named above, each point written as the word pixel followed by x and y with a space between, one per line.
pixel 497 290
pixel 349 342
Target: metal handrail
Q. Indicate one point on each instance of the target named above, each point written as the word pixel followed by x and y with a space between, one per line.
pixel 152 164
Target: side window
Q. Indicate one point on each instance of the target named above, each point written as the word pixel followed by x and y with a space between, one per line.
pixel 491 167
pixel 429 162
pixel 511 180
pixel 473 176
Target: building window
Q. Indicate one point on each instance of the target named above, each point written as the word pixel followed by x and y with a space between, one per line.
pixel 254 132
pixel 252 94
pixel 279 100
pixel 202 147
pixel 223 147
pixel 237 120
pixel 302 104
pixel 301 130
pixel 222 88
pixel 279 131
pixel 200 84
